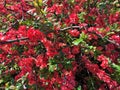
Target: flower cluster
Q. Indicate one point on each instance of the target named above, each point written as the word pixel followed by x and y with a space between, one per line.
pixel 102 75
pixel 104 61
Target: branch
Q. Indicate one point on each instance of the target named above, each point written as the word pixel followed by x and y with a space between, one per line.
pixel 78 27
pixel 71 27
pixel 110 41
pixel 2 88
pixel 7 30
pixel 14 40
pixel 113 42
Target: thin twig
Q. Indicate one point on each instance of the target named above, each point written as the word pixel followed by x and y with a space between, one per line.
pixel 2 88
pixel 7 30
pixel 22 12
pixel 4 3
pixel 110 41
pixel 71 27
pixel 91 80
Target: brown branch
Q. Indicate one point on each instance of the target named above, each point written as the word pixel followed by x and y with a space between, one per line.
pixel 100 36
pixel 7 30
pixel 2 88
pixel 71 27
pixel 14 40
pixel 113 42
pixel 110 41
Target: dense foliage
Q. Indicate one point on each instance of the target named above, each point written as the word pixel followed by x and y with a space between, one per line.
pixel 60 44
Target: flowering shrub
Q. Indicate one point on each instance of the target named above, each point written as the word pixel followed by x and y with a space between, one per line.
pixel 59 45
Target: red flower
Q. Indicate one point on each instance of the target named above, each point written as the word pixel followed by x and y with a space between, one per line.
pixel 110 47
pixel 114 56
pixel 100 21
pixel 50 35
pixel 66 50
pixel 51 52
pixel 56 8
pixel 41 61
pixel 26 62
pixel 116 38
pixel 22 31
pixel 68 81
pixel 104 61
pixel 59 9
pixel 74 33
pixel 31 79
pixel 102 75
pixel 35 35
pixel 73 18
pixel 75 50
pixel 114 18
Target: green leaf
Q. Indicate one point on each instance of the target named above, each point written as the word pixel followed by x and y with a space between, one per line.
pixel 52 67
pixel 40 2
pixel 1 81
pixel 77 41
pixel 81 16
pixel 117 67
pixel 79 88
pixel 102 5
pixel 18 86
pixel 80 39
pixel 27 22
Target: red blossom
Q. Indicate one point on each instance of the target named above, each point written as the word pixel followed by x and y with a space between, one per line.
pixel 116 38
pixel 67 52
pixel 73 18
pixel 104 61
pixel 74 33
pixel 41 61
pixel 114 17
pixel 31 79
pixel 75 49
pixel 22 31
pixel 26 62
pixel 102 75
pixel 34 35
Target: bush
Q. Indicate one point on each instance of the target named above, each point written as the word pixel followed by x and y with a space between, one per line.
pixel 60 45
